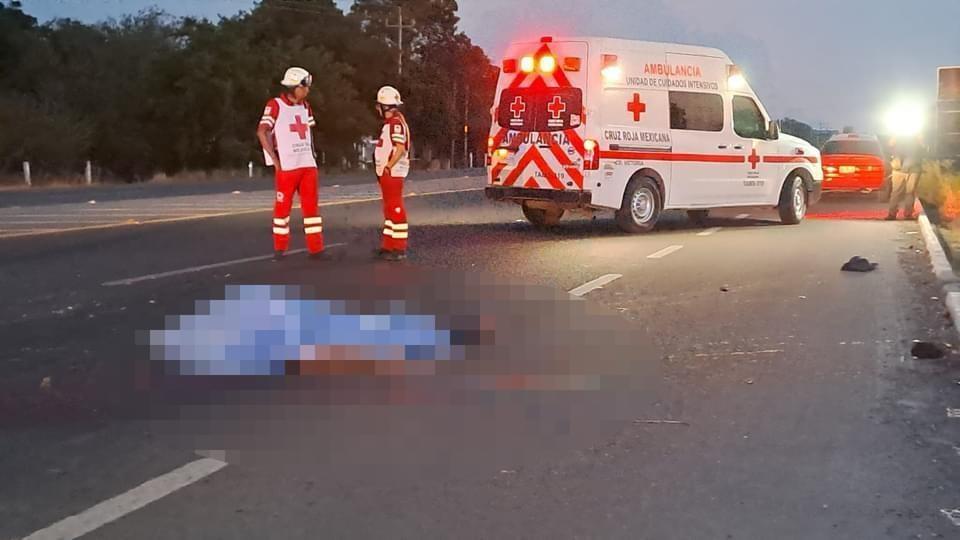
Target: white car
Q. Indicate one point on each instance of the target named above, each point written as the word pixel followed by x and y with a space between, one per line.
pixel 638 127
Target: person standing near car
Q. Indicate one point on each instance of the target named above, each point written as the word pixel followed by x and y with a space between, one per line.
pixel 285 135
pixel 907 164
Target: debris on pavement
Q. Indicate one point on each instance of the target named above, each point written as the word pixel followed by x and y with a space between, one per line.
pixel 859 264
pixel 748 381
pixel 724 289
pixel 927 350
pixel 668 422
pixel 46 384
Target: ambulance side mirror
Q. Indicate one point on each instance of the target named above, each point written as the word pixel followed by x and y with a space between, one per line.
pixel 773 131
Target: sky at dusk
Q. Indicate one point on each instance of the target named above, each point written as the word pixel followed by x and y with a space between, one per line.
pixel 821 61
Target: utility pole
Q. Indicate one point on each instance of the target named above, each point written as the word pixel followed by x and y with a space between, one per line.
pixel 399 26
pixel 466 122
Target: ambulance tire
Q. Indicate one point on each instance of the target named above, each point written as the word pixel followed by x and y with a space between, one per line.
pixel 641 206
pixel 542 218
pixel 793 201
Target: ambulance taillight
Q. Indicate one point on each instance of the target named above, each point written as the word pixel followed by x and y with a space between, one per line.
pixel 591 155
pixel 490 143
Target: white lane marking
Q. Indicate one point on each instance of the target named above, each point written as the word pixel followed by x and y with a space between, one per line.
pixel 952 515
pixel 953 413
pixel 113 509
pixel 664 252
pixel 710 231
pixel 742 216
pixel 595 284
pixel 192 269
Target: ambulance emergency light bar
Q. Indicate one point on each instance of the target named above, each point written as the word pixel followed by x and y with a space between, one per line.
pixel 544 63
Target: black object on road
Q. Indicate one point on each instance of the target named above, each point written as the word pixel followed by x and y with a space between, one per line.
pixel 927 350
pixel 859 264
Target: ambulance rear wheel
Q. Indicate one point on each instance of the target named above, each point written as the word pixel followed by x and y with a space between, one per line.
pixel 541 217
pixel 641 206
pixel 793 201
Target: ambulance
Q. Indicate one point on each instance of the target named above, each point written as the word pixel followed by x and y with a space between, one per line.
pixel 594 124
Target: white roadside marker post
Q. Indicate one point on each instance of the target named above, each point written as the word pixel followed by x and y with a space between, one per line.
pixel 88 173
pixel 26 174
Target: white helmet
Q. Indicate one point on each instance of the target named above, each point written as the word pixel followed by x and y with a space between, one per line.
pixel 389 95
pixel 296 76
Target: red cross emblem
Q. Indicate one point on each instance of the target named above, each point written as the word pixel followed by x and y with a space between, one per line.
pixel 637 107
pixel 754 158
pixel 556 107
pixel 299 128
pixel 518 107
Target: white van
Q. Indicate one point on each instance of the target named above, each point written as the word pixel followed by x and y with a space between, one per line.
pixel 638 127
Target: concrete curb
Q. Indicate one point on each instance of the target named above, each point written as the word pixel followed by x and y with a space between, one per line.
pixel 938 257
pixel 942 269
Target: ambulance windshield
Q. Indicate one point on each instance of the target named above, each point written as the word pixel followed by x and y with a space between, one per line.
pixel 543 110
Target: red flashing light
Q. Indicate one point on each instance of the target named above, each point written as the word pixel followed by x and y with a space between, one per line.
pixel 510 65
pixel 591 155
pixel 546 39
pixel 571 63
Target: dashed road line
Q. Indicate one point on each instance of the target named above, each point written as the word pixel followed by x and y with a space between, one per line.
pixel 664 252
pixel 194 269
pixel 113 509
pixel 595 284
pixel 710 231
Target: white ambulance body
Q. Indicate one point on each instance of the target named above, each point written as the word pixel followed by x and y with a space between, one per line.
pixel 638 127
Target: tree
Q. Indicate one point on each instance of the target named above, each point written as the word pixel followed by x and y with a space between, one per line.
pixel 151 92
pixel 444 73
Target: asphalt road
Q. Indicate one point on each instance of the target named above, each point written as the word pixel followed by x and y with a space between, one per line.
pixel 725 381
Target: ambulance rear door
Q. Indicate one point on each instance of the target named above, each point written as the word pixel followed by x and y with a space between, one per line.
pixel 539 117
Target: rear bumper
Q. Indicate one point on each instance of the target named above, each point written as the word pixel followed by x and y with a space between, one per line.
pixel 562 197
pixel 852 183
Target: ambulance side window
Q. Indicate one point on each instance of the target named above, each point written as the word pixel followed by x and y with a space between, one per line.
pixel 696 111
pixel 748 121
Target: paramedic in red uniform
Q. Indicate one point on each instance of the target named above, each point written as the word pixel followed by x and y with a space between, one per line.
pixel 287 141
pixel 392 157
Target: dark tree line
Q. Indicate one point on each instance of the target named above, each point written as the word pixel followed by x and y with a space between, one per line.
pixel 151 93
